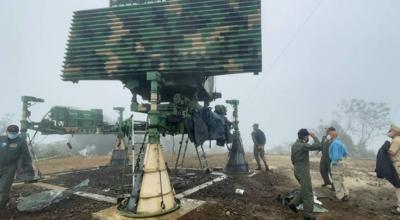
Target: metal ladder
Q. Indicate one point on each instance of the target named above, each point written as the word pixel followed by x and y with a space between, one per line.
pixel 126 172
pixel 180 161
pixel 202 158
pixel 139 172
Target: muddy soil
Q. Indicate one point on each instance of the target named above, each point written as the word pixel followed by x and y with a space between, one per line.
pixel 259 198
pixel 259 201
pixel 108 181
pixel 75 208
pixel 371 198
pixel 116 181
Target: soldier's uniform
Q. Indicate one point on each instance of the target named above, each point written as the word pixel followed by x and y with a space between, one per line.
pixel 325 162
pixel 259 141
pixel 12 154
pixel 301 163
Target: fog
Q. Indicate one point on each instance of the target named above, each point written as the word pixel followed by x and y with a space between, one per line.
pixel 315 54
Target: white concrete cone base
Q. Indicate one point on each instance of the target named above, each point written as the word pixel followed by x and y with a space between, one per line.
pixel 187 205
pixel 150 193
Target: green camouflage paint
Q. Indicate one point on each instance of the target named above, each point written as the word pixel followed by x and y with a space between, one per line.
pixel 118 3
pixel 188 38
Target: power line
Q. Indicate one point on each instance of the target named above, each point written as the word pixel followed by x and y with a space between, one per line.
pixel 284 50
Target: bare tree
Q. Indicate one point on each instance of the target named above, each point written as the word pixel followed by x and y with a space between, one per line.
pixel 346 138
pixel 364 120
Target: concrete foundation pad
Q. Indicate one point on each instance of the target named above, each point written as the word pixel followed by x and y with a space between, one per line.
pixel 188 192
pixel 187 205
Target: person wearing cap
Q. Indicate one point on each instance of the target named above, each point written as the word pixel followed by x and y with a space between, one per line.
pixel 259 140
pixel 325 162
pixel 337 154
pixel 13 153
pixel 394 154
pixel 301 162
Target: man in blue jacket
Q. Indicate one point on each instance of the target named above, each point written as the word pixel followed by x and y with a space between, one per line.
pixel 337 154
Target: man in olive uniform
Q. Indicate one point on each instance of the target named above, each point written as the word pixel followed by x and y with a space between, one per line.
pixel 325 162
pixel 259 140
pixel 301 162
pixel 13 152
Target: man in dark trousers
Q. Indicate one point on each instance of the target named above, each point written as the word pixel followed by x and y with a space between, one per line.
pixel 325 162
pixel 13 150
pixel 301 162
pixel 259 140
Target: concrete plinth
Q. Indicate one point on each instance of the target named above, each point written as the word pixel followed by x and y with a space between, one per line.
pixel 187 205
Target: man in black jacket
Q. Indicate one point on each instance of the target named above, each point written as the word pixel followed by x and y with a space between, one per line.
pixel 12 150
pixel 259 140
pixel 384 166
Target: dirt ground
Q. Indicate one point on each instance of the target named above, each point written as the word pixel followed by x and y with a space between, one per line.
pixel 370 198
pixel 75 208
pixel 71 164
pixel 116 181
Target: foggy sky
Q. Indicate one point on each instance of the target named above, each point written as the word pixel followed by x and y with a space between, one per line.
pixel 347 49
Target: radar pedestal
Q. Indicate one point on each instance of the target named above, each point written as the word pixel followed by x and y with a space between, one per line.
pixel 119 156
pixel 237 163
pixel 29 173
pixel 152 194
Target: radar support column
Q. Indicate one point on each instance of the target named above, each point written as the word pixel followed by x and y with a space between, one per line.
pixel 152 193
pixel 237 163
pixel 28 101
pixel 119 155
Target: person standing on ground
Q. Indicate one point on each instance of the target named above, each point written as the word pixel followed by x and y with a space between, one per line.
pixel 301 162
pixel 337 154
pixel 394 154
pixel 325 162
pixel 259 140
pixel 13 150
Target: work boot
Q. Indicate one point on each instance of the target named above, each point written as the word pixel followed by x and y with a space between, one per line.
pixel 266 168
pixel 293 207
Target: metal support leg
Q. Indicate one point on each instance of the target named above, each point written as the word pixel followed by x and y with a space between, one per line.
pixel 198 157
pixel 184 151
pixel 179 152
pixel 204 156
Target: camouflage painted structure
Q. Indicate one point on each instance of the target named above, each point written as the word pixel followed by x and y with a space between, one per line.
pixel 118 3
pixel 186 41
pixel 168 52
pixel 63 120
